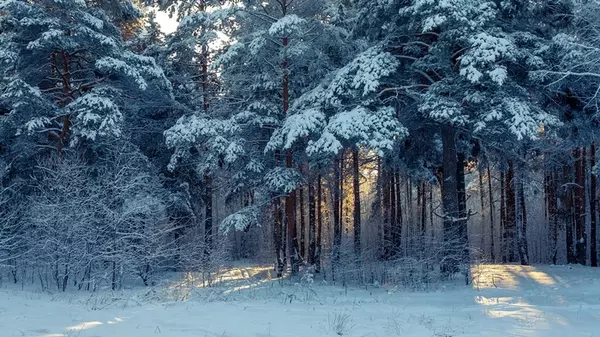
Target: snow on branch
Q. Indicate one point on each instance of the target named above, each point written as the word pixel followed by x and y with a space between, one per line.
pixel 362 76
pixel 283 180
pixel 95 115
pixel 240 220
pixel 295 127
pixel 376 129
pixel 483 57
pixel 288 25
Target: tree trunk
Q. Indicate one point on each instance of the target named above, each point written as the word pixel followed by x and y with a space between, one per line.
pixel 580 172
pixel 278 237
pixel 452 254
pixel 410 214
pixel 208 192
pixel 503 217
pixel 385 205
pixel 593 210
pixel 399 221
pixel 423 208
pixel 462 222
pixel 208 201
pixel 357 210
pixel 62 136
pixel 491 201
pixel 114 276
pixel 302 223
pixel 568 213
pixel 341 198
pixel 482 207
pixel 290 201
pixel 503 250
pixel 319 233
pixel 431 210
pixel 552 210
pixel 311 223
pixel 290 218
pixel 521 218
pixel 510 224
pixel 381 209
pixel 393 214
pixel 337 233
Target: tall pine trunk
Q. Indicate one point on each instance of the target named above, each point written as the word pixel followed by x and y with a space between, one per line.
pixel 208 190
pixel 492 208
pixel 593 209
pixel 453 242
pixel 552 210
pixel 278 237
pixel 337 214
pixel 393 214
pixel 290 200
pixel 357 210
pixel 503 250
pixel 423 209
pixel 208 214
pixel 302 223
pixel 398 209
pixel 385 205
pixel 580 201
pixel 290 218
pixel 482 207
pixel 319 232
pixel 568 212
pixel 311 223
pixel 511 220
pixel 462 222
pixel 521 218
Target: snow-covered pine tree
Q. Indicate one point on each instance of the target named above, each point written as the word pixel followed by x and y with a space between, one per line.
pixel 67 78
pixel 282 50
pixel 203 139
pixel 66 73
pixel 458 79
pixel 569 78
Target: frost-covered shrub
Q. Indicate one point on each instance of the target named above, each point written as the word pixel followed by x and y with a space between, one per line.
pixel 96 225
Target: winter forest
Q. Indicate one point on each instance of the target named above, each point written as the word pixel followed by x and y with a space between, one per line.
pixel 356 142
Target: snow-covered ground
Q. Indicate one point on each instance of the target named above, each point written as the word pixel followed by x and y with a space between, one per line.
pixel 505 301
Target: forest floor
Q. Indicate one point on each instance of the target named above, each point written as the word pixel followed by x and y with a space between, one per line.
pixel 503 301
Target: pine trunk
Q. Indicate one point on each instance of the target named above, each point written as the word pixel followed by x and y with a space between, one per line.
pixel 208 216
pixel 337 233
pixel 393 214
pixel 492 208
pixel 503 250
pixel 302 223
pixel 482 208
pixel 521 218
pixel 453 249
pixel 552 210
pixel 510 225
pixel 568 213
pixel 580 172
pixel 423 208
pixel 290 218
pixel 278 237
pixel 385 205
pixel 462 222
pixel 319 233
pixel 398 209
pixel 593 209
pixel 311 223
pixel 357 210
